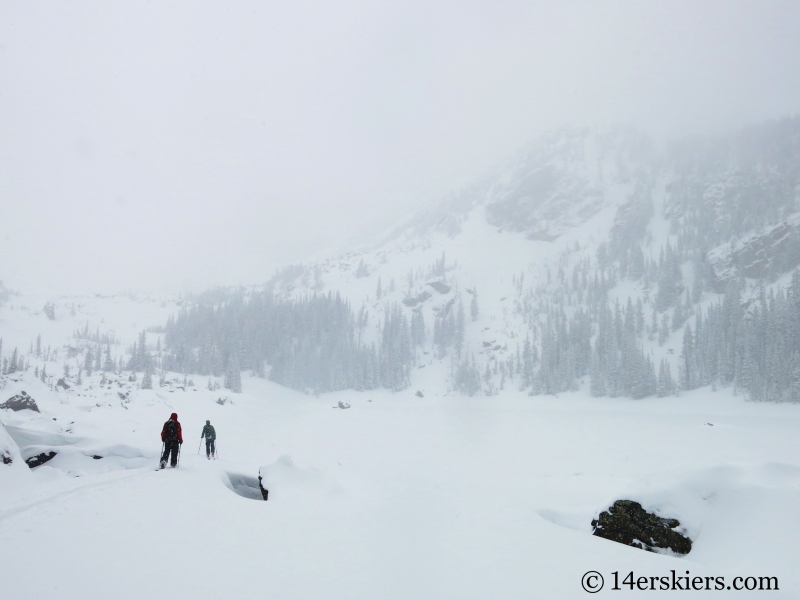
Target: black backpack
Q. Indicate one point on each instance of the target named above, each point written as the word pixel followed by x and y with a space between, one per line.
pixel 170 431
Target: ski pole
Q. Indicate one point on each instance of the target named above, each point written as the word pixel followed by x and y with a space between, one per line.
pixel 161 456
pixel 198 446
pixel 179 455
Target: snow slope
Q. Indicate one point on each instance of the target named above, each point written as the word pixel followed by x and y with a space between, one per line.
pixel 396 497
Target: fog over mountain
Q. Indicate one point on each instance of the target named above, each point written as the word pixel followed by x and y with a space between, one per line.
pixel 160 146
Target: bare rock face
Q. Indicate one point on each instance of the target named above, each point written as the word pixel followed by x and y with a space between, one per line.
pixel 440 287
pixel 418 299
pixel 766 253
pixel 21 401
pixel 626 522
pixel 50 311
pixel 553 195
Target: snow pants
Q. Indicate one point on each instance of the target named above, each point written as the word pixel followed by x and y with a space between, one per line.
pixel 210 449
pixel 170 448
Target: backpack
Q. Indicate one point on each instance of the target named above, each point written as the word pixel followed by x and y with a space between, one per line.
pixel 170 431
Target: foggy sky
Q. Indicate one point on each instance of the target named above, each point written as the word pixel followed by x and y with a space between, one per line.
pixel 166 145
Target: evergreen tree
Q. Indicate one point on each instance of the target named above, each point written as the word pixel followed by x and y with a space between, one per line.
pixel 108 365
pixel 794 389
pixel 147 379
pixel 88 363
pixel 467 378
pixel 458 342
pixel 687 357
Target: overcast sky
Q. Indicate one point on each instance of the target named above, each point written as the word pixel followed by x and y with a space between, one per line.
pixel 166 145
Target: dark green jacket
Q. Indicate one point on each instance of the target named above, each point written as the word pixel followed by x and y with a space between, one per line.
pixel 209 433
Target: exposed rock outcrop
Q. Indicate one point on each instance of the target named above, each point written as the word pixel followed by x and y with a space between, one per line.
pixel 40 459
pixel 626 522
pixel 440 287
pixel 21 401
pixel 50 311
pixel 766 253
pixel 418 299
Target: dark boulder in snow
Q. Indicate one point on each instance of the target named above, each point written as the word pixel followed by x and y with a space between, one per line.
pixel 626 522
pixel 21 401
pixel 62 384
pixel 39 459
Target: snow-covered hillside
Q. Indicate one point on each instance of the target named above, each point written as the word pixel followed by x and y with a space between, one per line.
pixel 457 401
pixel 591 257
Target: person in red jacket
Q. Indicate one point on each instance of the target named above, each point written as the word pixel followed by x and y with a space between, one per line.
pixel 172 437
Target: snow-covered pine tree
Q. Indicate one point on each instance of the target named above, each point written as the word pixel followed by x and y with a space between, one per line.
pixel 460 327
pixel 147 379
pixel 88 362
pixel 108 364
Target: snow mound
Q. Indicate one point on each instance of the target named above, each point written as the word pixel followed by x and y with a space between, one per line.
pixel 734 514
pixel 283 477
pixel 738 511
pixel 28 436
pixel 75 456
pixel 13 469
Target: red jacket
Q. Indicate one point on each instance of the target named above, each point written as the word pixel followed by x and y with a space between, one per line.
pixel 172 417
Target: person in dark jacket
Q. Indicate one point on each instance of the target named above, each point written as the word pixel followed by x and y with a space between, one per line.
pixel 211 436
pixel 172 437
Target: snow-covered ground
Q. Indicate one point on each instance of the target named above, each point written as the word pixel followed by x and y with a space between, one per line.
pixel 395 497
pixel 419 494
